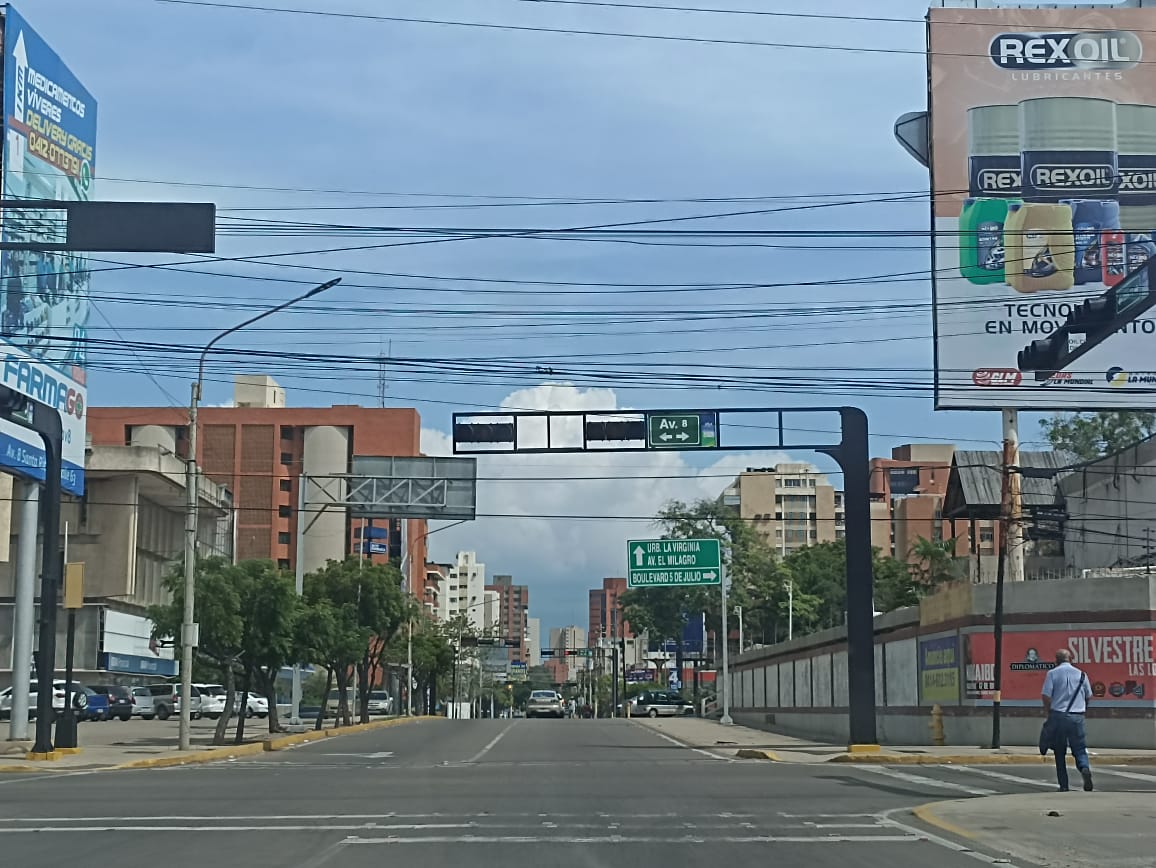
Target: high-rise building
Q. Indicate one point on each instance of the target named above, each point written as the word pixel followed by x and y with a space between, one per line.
pixel 605 613
pixel 259 449
pixel 463 591
pixel 533 642
pixel 513 612
pixel 563 639
pixel 791 505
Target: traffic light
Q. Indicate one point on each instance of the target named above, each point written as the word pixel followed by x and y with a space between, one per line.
pixel 12 401
pixel 484 432
pixel 1095 319
pixel 625 430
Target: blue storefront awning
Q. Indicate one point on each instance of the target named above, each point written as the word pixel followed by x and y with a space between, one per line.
pixel 131 664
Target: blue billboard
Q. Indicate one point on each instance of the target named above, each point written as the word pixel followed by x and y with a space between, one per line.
pixel 49 153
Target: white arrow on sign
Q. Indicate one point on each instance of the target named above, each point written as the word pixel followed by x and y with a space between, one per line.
pixel 667 436
pixel 683 436
pixel 711 575
pixel 638 552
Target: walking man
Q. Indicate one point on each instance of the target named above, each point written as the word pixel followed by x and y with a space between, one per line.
pixel 1065 696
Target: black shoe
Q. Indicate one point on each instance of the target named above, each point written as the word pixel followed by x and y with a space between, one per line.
pixel 1063 789
pixel 1087 774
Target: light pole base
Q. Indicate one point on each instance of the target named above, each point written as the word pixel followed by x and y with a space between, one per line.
pixel 726 720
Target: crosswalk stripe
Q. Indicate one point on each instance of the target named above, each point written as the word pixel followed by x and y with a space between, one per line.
pixel 926 782
pixel 1001 776
pixel 1135 776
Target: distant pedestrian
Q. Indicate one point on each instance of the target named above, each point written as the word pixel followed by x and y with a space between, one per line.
pixel 1065 697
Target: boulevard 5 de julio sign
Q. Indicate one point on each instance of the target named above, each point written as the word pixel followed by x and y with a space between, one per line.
pixel 664 562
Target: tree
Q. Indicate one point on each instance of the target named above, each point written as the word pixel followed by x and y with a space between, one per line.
pixel 932 563
pixel 269 608
pixel 1094 435
pixel 359 608
pixel 218 612
pixel 895 586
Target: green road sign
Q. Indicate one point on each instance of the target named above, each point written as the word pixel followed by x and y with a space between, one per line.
pixel 692 430
pixel 664 562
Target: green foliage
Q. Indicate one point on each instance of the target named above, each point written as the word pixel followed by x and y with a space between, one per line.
pixel 933 562
pixel 1094 435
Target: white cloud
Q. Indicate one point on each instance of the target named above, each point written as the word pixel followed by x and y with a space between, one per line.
pixel 521 527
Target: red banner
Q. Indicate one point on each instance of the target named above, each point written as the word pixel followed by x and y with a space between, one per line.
pixel 1120 664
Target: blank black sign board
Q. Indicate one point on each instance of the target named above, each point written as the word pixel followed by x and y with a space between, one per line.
pixel 142 227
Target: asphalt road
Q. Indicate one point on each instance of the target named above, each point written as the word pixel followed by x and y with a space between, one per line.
pixel 497 793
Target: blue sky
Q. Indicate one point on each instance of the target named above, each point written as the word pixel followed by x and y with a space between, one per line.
pixel 207 96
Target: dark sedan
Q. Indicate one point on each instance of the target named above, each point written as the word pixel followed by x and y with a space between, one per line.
pixel 119 699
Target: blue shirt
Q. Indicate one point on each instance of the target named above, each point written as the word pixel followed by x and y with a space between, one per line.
pixel 1061 685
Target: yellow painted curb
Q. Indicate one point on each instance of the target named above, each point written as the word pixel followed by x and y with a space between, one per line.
pixel 67 751
pixel 18 769
pixel 752 753
pixel 863 748
pixel 203 756
pixel 926 814
pixel 282 742
pixel 51 756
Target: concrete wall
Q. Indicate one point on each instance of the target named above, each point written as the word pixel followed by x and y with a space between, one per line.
pixel 807 679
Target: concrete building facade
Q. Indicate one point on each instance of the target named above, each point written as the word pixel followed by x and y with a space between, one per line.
pixel 791 505
pixel 533 642
pixel 260 448
pixel 128 531
pixel 463 591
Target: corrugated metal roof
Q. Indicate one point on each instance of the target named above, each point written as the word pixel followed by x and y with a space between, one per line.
pixel 973 488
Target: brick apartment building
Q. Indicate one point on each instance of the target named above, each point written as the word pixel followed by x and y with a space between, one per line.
pixel 606 613
pixel 513 613
pixel 259 448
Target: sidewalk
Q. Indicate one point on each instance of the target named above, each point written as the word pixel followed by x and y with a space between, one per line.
pixel 748 743
pixel 1055 830
pixel 138 744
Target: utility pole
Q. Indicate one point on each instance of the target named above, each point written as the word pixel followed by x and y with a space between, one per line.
pixel 1148 551
pixel 1015 526
pixel 997 620
pixel 739 612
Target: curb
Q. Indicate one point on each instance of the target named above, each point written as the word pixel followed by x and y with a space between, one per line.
pixel 263 746
pixel 982 759
pixel 752 753
pixel 926 814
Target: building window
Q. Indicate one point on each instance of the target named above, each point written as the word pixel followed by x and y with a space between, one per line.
pixel 986 536
pixel 810 483
pixel 286 432
pixel 282 563
pixel 285 511
pixel 792 483
pixel 286 484
pixel 283 538
pixel 286 457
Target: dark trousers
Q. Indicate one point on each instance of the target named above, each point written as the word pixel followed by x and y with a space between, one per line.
pixel 1069 730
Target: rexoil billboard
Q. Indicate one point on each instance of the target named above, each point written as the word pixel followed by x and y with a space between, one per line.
pixel 49 151
pixel 1120 664
pixel 1043 158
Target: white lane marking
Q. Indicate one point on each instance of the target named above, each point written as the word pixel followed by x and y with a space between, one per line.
pixel 1000 776
pixel 631 839
pixel 497 738
pixel 678 743
pixel 381 754
pixel 203 818
pixel 1135 776
pixel 925 782
pixel 327 827
pixel 887 819
pixel 24 778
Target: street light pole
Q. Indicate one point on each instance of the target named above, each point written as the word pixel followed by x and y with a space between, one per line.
pixel 188 625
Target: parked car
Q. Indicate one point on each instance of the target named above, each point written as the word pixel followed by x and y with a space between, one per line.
pixel 333 701
pixel 167 701
pixel 212 700
pixel 545 703
pixel 255 706
pixel 96 706
pixel 79 699
pixel 380 702
pixel 142 703
pixel 660 703
pixel 120 702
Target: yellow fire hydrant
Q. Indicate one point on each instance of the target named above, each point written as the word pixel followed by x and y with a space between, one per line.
pixel 936 726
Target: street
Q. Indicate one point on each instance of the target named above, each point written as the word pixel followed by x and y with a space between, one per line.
pixel 501 792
